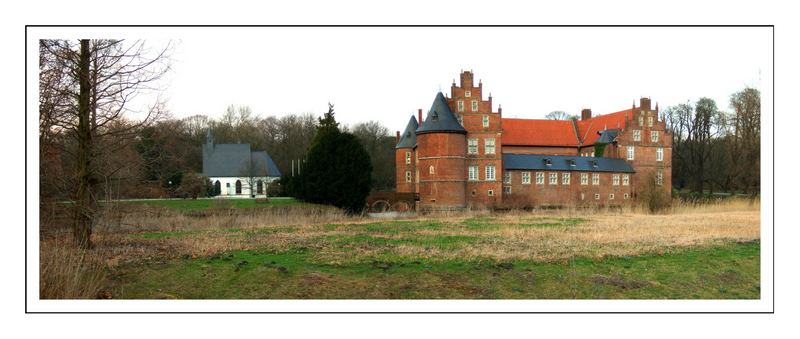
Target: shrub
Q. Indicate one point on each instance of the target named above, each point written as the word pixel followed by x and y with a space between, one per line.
pixel 66 272
pixel 194 185
pixel 654 197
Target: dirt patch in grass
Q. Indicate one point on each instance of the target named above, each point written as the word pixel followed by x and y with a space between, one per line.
pixel 618 282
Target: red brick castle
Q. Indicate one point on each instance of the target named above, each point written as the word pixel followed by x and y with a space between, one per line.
pixel 466 155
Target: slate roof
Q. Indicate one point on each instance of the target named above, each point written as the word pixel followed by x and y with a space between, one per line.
pixel 563 163
pixel 229 160
pixel 440 118
pixel 588 129
pixel 409 137
pixel 607 136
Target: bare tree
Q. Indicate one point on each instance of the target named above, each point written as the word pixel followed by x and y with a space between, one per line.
pixel 253 171
pixel 90 86
pixel 559 115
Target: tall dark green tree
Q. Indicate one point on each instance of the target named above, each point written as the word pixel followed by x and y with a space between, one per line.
pixel 337 170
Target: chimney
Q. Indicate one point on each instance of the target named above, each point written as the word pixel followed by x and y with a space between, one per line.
pixel 644 103
pixel 586 114
pixel 419 116
pixel 466 79
pixel 397 137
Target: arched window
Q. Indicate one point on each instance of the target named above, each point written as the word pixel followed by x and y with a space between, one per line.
pixel 217 188
pixel 259 187
pixel 238 187
pixel 430 170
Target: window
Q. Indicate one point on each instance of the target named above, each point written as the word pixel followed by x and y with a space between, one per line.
pixel 597 196
pixel 467 94
pixel 430 169
pixel 625 196
pixel 649 121
pixel 592 153
pixel 507 178
pixel 595 179
pixel 238 187
pixel 488 146
pixel 539 178
pixel 526 178
pixel 408 176
pixel 460 105
pixel 490 193
pixel 630 152
pixel 637 135
pixel 474 105
pixel 659 154
pixel 641 121
pixel 489 172
pixel 507 189
pixel 611 196
pixel 408 158
pixel 659 178
pixel 485 121
pixel 553 178
pixel 472 146
pixel 615 180
pixel 584 179
pixel 653 136
pixel 583 196
pixel 571 164
pixel 565 179
pixel 473 173
pixel 460 119
pixel 625 180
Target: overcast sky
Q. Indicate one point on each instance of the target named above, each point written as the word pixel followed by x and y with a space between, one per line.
pixel 386 74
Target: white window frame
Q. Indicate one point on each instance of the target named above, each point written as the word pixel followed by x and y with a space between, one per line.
pixel 615 180
pixel 474 105
pixel 653 136
pixel 649 121
pixel 467 94
pixel 584 179
pixel 507 177
pixel 625 196
pixel 637 135
pixel 490 193
pixel 660 154
pixel 595 179
pixel 488 146
pixel 565 178
pixel 490 170
pixel 460 105
pixel 631 152
pixel 472 146
pixel 506 189
pixel 526 178
pixel 431 170
pixel 460 119
pixel 597 196
pixel 408 176
pixel 472 173
pixel 641 121
pixel 408 158
pixel 540 178
pixel 485 121
pixel 611 196
pixel 626 180
pixel 553 178
pixel 659 178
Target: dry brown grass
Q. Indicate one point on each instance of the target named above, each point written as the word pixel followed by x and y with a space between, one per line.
pixel 513 235
pixel 69 273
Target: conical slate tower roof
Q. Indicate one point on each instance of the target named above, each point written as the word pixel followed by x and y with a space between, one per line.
pixel 440 119
pixel 409 137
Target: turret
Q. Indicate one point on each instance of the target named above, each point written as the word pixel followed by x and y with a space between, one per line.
pixel 405 157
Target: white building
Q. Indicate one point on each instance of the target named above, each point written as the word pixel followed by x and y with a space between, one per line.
pixel 236 170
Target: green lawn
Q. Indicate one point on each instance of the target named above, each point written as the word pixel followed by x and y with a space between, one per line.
pixel 203 204
pixel 728 271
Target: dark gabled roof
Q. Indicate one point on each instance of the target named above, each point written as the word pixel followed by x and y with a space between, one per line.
pixel 440 118
pixel 230 160
pixel 563 163
pixel 409 137
pixel 607 136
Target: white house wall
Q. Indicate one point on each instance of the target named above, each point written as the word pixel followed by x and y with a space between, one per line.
pixel 228 185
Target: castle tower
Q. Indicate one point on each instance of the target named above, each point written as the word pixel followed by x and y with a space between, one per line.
pixel 484 161
pixel 441 153
pixel 405 158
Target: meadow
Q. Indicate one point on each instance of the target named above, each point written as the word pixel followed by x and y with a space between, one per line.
pixel 288 251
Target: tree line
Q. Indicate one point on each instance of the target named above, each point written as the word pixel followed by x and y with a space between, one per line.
pixel 715 150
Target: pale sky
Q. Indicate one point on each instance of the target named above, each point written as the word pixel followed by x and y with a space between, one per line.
pixel 385 74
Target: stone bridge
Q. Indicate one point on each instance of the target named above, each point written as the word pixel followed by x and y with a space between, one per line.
pixel 379 202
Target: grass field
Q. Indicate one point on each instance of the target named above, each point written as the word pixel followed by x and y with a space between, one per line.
pixel 306 251
pixel 204 204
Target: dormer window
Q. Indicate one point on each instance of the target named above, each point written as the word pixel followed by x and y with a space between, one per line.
pixel 594 164
pixel 572 163
pixel 548 162
pixel 434 116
